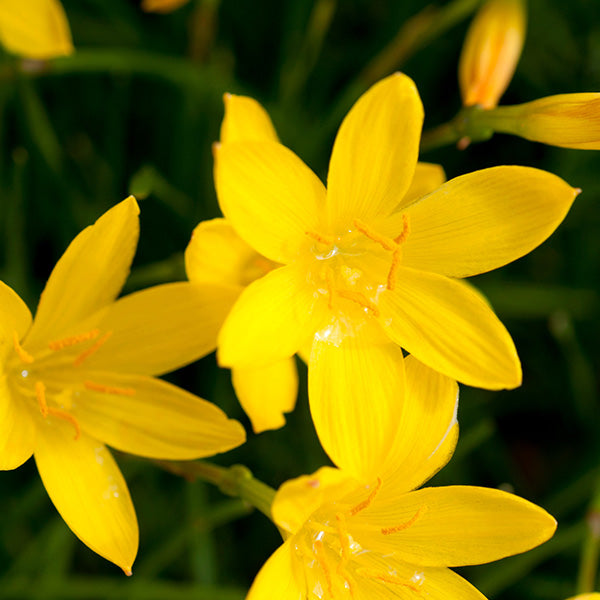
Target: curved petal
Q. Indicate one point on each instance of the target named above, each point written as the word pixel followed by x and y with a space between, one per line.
pixel 298 498
pixel 88 490
pixel 37 29
pixel 152 418
pixel 217 254
pixel 276 579
pixel 484 220
pixel 427 178
pixel 270 196
pixel 426 432
pixel 450 327
pixel 246 121
pixel 14 318
pixel 272 319
pixel 356 390
pixel 17 430
pixel 267 393
pixel 161 328
pixel 453 526
pixel 89 275
pixel 375 152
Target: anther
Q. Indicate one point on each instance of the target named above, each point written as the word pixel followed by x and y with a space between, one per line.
pixel 108 389
pixel 400 239
pixel 396 528
pixel 360 299
pixel 367 501
pixel 22 353
pixel 320 555
pixel 385 242
pixel 329 280
pixel 72 340
pixel 328 240
pixel 59 414
pixel 384 577
pixel 40 392
pixel 343 537
pixel 92 349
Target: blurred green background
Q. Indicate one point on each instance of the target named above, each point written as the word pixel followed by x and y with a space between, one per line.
pixel 136 109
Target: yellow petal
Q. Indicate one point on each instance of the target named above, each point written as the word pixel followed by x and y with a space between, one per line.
pixel 269 195
pixel 162 6
pixel 427 178
pixel 153 418
pixel 217 254
pixel 276 578
pixel 356 390
pixel 17 432
pixel 246 121
pixel 449 326
pixel 35 29
pixel 484 220
pixel 491 52
pixel 89 275
pixel 590 596
pixel 453 526
pixel 298 498
pixel 267 393
pixel 272 319
pixel 162 328
pixel 88 490
pixel 418 452
pixel 375 152
pixel 14 318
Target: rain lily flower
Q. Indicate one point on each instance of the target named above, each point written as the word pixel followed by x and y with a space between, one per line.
pixel 491 52
pixel 379 538
pixel 216 254
pixel 368 270
pixel 80 375
pixel 36 29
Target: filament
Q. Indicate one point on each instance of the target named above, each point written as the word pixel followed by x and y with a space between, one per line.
pixel 367 501
pixel 407 524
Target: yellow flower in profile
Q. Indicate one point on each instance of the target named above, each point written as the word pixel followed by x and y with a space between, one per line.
pixel 216 254
pixel 366 272
pixel 162 6
pixel 35 29
pixel 81 376
pixel 491 52
pixel 377 538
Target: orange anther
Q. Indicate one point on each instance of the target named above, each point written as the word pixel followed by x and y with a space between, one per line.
pixel 40 392
pixel 59 414
pixel 343 537
pixel 92 349
pixel 407 524
pixel 328 240
pixel 23 354
pixel 385 577
pixel 72 340
pixel 320 555
pixel 393 272
pixel 399 239
pixel 385 242
pixel 360 299
pixel 108 389
pixel 367 501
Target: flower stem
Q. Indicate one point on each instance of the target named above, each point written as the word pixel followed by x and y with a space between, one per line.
pixel 236 481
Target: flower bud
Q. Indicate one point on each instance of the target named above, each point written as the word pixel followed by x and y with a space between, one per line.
pixel 491 52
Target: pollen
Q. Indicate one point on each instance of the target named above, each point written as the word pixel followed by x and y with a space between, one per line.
pixel 92 349
pixel 402 526
pixel 384 577
pixel 72 340
pixel 108 389
pixel 21 352
pixel 385 242
pixel 65 416
pixel 40 392
pixel 367 501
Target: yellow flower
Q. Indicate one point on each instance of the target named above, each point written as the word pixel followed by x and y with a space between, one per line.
pixel 567 120
pixel 366 272
pixel 80 376
pixel 347 540
pixel 162 6
pixel 491 52
pixel 216 254
pixel 35 29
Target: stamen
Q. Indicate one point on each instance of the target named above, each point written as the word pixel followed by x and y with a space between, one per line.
pixel 329 279
pixel 360 299
pixel 343 537
pixel 59 414
pixel 320 555
pixel 72 340
pixel 396 528
pixel 385 577
pixel 92 349
pixel 385 242
pixel 40 392
pixel 399 239
pixel 108 389
pixel 22 353
pixel 367 501
pixel 322 239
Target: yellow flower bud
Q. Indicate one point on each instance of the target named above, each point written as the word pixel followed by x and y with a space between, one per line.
pixel 162 6
pixel 491 52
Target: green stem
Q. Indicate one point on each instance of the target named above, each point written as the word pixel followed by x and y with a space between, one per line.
pixel 236 481
pixel 590 551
